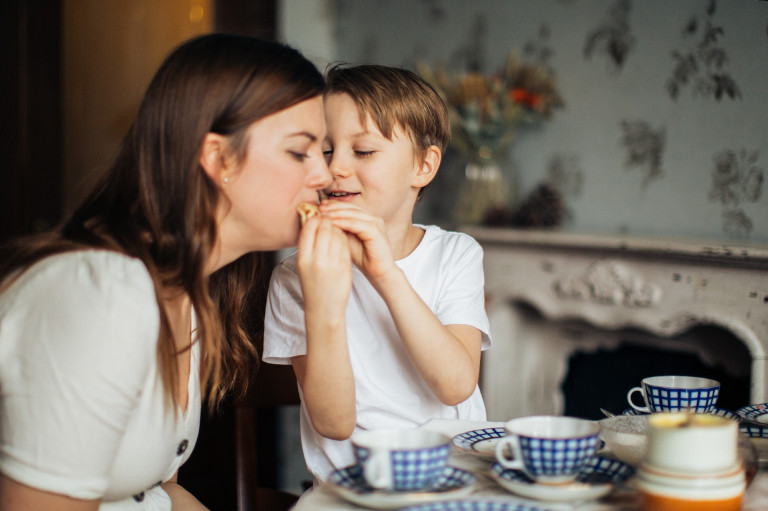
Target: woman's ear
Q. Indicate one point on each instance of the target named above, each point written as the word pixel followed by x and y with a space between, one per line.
pixel 428 169
pixel 213 158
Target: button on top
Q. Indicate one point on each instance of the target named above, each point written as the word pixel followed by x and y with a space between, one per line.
pixel 182 447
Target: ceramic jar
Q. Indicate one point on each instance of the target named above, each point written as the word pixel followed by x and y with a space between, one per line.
pixel 692 463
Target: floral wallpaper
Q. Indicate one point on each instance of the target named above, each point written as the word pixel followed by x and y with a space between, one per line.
pixel 613 37
pixel 664 124
pixel 702 64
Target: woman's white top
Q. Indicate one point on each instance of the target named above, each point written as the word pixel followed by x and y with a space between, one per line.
pixel 446 270
pixel 82 409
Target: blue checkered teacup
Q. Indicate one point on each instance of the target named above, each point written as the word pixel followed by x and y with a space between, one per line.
pixel 676 393
pixel 549 449
pixel 401 459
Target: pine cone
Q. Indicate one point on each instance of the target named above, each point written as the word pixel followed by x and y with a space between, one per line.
pixel 544 207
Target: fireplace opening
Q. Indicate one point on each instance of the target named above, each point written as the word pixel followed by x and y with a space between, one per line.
pixel 601 378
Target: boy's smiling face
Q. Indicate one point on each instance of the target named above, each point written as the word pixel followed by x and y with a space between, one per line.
pixel 369 170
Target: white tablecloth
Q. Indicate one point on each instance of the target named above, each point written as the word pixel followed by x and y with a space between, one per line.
pixel 324 498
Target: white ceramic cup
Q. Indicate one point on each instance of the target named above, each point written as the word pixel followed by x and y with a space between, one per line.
pixel 675 393
pixel 401 459
pixel 692 443
pixel 549 449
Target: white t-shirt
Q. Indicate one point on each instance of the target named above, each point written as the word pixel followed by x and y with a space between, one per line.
pixel 81 402
pixel 446 271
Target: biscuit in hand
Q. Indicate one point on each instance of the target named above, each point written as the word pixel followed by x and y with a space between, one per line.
pixel 306 211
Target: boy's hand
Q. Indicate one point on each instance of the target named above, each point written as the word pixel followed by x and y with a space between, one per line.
pixel 325 372
pixel 324 265
pixel 368 244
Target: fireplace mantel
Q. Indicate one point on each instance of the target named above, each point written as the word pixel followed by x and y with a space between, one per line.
pixel 664 287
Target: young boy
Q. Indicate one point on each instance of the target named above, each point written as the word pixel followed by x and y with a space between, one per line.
pixel 407 347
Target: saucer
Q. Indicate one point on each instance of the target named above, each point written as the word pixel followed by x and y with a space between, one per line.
pixel 754 430
pixel 755 427
pixel 473 505
pixel 757 414
pixel 755 423
pixel 481 442
pixel 720 412
pixel 594 480
pixel 349 484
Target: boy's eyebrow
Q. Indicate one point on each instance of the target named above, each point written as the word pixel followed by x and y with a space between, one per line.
pixel 363 133
pixel 357 135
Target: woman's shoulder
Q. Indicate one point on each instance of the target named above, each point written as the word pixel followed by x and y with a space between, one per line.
pixel 99 268
pixel 102 279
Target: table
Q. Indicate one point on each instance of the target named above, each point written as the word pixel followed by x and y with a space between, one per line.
pixel 323 497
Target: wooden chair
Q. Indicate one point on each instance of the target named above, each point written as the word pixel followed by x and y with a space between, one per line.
pixel 255 448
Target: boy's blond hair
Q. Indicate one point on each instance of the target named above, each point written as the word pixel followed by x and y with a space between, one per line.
pixel 395 96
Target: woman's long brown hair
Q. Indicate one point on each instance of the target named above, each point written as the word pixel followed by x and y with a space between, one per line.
pixel 157 204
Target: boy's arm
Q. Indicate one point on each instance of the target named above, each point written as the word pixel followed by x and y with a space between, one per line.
pixel 325 372
pixel 446 356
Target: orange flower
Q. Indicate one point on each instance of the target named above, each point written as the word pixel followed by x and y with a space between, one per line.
pixel 518 95
pixel 522 96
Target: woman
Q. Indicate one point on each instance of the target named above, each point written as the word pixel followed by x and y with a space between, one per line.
pixel 112 327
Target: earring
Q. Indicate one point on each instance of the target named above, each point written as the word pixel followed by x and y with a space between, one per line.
pixel 226 180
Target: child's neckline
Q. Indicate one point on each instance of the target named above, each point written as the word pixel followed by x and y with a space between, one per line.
pixel 424 230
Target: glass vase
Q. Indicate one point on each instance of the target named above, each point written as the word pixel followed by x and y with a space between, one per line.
pixel 486 185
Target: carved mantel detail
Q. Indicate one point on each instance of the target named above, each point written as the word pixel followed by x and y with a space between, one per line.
pixel 607 282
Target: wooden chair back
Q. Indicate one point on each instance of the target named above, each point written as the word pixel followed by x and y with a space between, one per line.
pixel 255 433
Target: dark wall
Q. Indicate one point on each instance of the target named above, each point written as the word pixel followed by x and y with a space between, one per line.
pixel 30 107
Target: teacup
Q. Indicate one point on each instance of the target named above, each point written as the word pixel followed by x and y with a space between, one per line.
pixel 549 449
pixel 676 393
pixel 401 459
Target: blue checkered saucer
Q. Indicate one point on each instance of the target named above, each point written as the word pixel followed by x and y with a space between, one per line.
pixel 598 477
pixel 755 428
pixel 351 486
pixel 473 505
pixel 755 424
pixel 481 442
